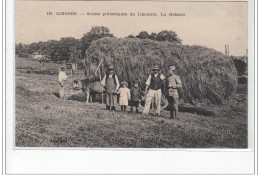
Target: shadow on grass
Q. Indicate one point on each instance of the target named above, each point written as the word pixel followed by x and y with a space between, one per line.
pixel 197 110
pixel 182 108
pixel 82 98
pixel 43 71
pixel 194 110
pixel 78 97
pixel 56 94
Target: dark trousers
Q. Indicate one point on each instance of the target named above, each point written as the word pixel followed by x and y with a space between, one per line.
pixel 173 106
pixel 134 104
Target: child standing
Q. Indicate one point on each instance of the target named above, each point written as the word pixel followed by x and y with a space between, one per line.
pixel 135 94
pixel 124 96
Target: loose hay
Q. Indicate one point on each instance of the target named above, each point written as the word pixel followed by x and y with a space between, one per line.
pixel 207 75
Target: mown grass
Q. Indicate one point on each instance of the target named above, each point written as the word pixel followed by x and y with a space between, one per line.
pixel 43 120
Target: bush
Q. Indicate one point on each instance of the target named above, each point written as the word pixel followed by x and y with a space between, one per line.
pixel 241 66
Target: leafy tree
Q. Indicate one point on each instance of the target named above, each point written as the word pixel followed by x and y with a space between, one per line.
pixel 65 47
pixel 34 47
pixel 19 48
pixel 143 35
pixel 169 36
pixel 153 36
pixel 51 50
pixel 130 36
pixel 164 35
pixel 240 64
pixel 45 49
pixel 59 50
pixel 74 54
pixel 95 33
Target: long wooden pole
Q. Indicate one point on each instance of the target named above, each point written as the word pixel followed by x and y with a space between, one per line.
pixel 98 66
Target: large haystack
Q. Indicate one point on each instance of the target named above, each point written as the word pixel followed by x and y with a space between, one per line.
pixel 207 75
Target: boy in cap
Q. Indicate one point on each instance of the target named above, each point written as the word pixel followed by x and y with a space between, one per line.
pixel 173 83
pixel 154 82
pixel 111 84
pixel 62 79
pixel 135 96
pixel 124 96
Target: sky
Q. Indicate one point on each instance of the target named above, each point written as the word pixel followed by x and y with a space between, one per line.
pixel 209 24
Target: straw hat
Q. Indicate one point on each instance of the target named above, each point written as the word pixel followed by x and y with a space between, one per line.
pixel 155 68
pixel 110 68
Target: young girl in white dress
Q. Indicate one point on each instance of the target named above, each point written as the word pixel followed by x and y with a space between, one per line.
pixel 124 96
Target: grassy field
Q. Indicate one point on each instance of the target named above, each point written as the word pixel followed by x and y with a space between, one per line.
pixel 44 120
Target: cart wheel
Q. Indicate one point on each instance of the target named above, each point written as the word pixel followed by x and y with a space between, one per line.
pixel 164 102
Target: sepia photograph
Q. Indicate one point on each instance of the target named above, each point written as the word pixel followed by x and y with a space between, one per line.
pixel 96 74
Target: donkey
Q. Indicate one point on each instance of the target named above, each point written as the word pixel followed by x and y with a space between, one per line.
pixel 90 87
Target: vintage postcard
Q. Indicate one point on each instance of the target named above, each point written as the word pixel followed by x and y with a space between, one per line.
pixel 157 75
pixel 142 75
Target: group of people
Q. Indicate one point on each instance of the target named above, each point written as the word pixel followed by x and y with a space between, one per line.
pixel 112 89
pixel 153 90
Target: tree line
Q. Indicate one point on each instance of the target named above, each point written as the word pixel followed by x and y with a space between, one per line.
pixel 72 50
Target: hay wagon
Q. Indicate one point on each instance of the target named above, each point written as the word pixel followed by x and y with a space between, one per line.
pixel 207 76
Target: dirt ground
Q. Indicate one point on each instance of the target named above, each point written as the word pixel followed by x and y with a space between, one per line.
pixel 44 120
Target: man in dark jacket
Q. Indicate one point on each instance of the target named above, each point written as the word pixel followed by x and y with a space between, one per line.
pixel 111 84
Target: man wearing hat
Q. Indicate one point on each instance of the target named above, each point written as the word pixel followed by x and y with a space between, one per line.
pixel 154 82
pixel 111 84
pixel 62 79
pixel 173 83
